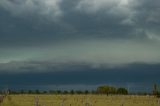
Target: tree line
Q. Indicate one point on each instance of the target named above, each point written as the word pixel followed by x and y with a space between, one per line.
pixel 156 90
pixel 100 90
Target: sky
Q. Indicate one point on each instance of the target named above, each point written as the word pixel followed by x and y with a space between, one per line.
pixel 79 42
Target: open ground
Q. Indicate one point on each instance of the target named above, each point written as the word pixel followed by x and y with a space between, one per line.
pixel 79 100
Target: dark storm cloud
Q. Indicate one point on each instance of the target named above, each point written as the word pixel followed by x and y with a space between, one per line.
pixel 134 73
pixel 38 21
pixel 146 16
pixel 16 31
pixel 38 30
pixel 99 24
pixel 115 19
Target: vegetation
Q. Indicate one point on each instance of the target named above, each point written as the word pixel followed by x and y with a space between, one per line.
pixel 156 90
pixel 102 96
pixel 111 90
pixel 100 90
pixel 78 100
pixel 122 91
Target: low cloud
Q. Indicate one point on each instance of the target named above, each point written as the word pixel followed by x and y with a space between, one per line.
pixel 81 53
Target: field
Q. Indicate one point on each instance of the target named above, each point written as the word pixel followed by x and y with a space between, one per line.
pixel 79 100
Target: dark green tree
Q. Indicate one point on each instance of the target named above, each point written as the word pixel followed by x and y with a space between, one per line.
pixel 44 92
pixel 106 90
pixel 37 91
pixel 52 92
pixel 59 92
pixel 30 92
pixel 122 91
pixel 72 92
pixel 86 92
pixel 79 92
pixel 22 91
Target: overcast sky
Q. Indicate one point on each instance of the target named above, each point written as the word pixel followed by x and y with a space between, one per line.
pixel 50 36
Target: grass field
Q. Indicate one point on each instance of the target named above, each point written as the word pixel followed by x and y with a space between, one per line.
pixel 79 100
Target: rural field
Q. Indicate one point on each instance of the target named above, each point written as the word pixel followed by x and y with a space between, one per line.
pixel 79 100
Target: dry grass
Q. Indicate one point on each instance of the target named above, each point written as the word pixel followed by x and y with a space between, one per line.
pixel 79 100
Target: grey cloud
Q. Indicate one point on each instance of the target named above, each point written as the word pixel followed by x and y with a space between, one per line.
pixel 27 25
pixel 16 67
pixel 137 74
pixel 134 76
pixel 147 18
pixel 101 19
pixel 48 8
pixel 93 53
pixel 140 16
pixel 40 66
pixel 104 23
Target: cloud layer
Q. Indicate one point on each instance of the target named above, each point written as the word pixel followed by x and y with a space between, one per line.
pixel 39 34
pixel 93 53
pixel 96 18
pixel 25 8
